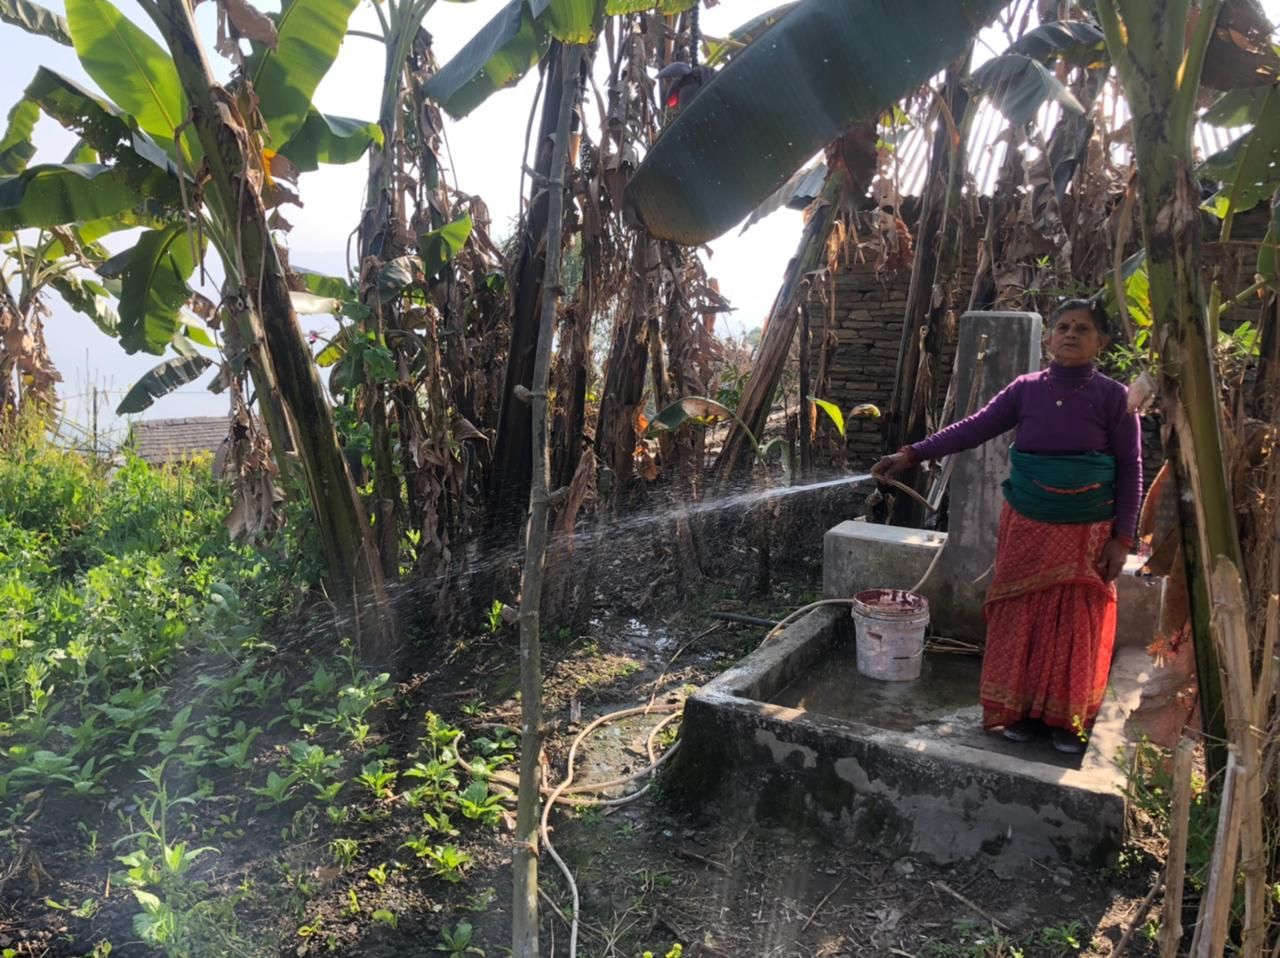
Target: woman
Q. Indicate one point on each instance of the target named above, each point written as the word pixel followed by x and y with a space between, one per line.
pixel 1067 526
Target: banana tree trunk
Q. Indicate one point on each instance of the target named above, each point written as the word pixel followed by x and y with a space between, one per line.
pixel 355 578
pixel 380 225
pixel 1161 76
pixel 509 477
pixel 780 329
pixel 935 263
pixel 625 370
pixel 524 909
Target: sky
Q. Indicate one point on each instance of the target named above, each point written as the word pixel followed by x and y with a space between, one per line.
pixel 485 148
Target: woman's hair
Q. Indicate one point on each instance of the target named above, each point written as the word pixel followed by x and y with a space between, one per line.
pixel 1097 312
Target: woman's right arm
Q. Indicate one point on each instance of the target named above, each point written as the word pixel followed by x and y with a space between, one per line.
pixel 995 418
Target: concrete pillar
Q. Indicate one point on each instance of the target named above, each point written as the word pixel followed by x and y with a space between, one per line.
pixel 1011 343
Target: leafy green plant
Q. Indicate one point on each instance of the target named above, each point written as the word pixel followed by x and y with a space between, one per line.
pixel 493 618
pixel 1062 939
pixel 378 779
pixel 278 789
pixel 344 851
pixel 479 804
pixel 457 941
pixel 446 861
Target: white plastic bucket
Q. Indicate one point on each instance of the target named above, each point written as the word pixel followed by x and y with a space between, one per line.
pixel 890 625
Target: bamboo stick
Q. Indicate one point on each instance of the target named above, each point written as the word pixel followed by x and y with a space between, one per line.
pixel 1176 868
pixel 1230 629
pixel 1215 907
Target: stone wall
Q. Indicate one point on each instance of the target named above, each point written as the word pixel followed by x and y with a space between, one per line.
pixel 867 322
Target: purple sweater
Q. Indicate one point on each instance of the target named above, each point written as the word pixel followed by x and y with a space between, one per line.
pixel 1093 417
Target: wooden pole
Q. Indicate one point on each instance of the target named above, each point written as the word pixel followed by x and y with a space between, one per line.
pixel 524 925
pixel 1176 867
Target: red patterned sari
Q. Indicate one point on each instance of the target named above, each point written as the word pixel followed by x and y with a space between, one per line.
pixel 1051 624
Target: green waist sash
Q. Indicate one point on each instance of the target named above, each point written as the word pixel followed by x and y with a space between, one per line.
pixel 1062 489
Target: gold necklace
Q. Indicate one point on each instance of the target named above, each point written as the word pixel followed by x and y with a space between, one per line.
pixel 1048 378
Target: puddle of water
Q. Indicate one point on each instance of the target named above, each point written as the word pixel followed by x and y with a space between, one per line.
pixel 942 704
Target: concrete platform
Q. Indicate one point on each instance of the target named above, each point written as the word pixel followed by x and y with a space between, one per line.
pixel 792 734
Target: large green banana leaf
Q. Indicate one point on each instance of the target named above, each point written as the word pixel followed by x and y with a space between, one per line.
pixel 35 19
pixel 569 21
pixel 1019 86
pixel 1252 160
pixel 163 379
pixel 824 66
pixel 16 146
pixel 55 194
pixel 91 298
pixel 1078 41
pixel 330 139
pixel 154 289
pixel 111 133
pixel 135 71
pixel 496 57
pixel 308 35
pixel 668 7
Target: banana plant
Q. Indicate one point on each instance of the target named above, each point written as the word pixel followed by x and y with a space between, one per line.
pixel 1159 66
pixel 165 117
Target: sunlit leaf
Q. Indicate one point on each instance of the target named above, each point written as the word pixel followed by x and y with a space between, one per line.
pixel 330 139
pixel 16 146
pixel 309 304
pixel 309 34
pixel 569 21
pixel 832 410
pixel 439 247
pixel 129 66
pixel 322 285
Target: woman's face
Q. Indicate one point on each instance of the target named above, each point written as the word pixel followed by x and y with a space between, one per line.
pixel 1074 340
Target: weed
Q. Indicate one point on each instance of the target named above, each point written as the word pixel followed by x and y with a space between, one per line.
pixel 1062 939
pixel 482 900
pixel 344 851
pixel 493 617
pixel 969 939
pixel 447 862
pixel 676 951
pixel 378 779
pixel 457 941
pixel 385 917
pixel 278 789
pixel 380 873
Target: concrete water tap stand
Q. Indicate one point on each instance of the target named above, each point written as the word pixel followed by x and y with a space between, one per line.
pixel 794 734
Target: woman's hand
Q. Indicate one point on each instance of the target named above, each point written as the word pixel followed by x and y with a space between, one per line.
pixel 891 465
pixel 1111 563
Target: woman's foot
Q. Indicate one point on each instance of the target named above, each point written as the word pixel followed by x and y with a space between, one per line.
pixel 1068 741
pixel 1023 731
